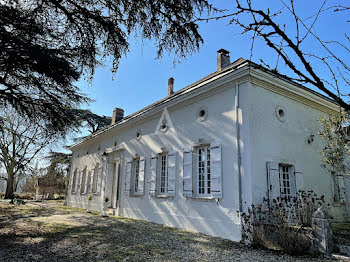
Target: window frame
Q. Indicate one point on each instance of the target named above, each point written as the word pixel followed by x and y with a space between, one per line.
pixel 206 181
pixel 283 181
pixel 74 181
pixel 95 178
pixel 135 175
pixel 159 174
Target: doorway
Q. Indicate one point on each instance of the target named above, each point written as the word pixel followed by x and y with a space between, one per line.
pixel 115 194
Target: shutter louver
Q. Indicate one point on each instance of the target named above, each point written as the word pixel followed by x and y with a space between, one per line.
pixel 128 177
pixel 299 180
pixel 141 183
pixel 215 171
pixel 187 173
pixel 273 180
pixel 153 175
pixel 171 173
pixel 292 181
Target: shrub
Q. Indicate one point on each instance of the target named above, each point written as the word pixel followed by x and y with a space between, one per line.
pixel 281 223
pixel 91 197
pixel 23 195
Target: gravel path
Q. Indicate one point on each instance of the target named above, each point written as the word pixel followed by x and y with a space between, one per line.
pixel 52 232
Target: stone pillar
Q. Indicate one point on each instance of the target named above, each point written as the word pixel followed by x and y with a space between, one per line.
pixel 322 232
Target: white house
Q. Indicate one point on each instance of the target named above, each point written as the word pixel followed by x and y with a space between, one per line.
pixel 199 156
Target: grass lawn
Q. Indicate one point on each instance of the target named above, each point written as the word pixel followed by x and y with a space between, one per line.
pixel 50 231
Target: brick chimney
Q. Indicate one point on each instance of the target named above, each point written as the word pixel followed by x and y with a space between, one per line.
pixel 118 114
pixel 170 86
pixel 222 59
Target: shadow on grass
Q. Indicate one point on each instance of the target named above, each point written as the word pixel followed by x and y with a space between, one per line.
pixel 99 238
pixel 79 236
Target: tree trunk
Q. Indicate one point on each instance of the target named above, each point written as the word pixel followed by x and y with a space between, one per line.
pixel 9 185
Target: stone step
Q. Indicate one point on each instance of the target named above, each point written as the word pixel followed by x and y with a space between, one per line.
pixel 340 257
pixel 111 211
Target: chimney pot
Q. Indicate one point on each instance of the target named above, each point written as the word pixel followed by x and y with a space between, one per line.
pixel 223 59
pixel 118 114
pixel 170 86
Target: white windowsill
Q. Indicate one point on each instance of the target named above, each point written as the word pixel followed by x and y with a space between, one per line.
pixel 135 195
pixel 163 196
pixel 204 198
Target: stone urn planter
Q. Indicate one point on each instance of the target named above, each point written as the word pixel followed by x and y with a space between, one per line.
pixel 105 206
pixel 88 209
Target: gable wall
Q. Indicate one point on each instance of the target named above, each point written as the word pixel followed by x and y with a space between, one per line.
pixel 269 139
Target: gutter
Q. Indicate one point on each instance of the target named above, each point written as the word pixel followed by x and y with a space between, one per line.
pixel 238 136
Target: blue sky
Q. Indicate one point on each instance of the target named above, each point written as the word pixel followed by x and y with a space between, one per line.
pixel 142 80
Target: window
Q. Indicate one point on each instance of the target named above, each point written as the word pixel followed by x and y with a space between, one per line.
pixel 94 182
pixel 203 171
pixel 136 171
pixel 163 173
pixel 162 177
pixel 135 176
pixel 202 114
pixel 138 134
pixel 282 180
pixel 285 183
pixel 280 113
pixel 74 180
pixel 83 182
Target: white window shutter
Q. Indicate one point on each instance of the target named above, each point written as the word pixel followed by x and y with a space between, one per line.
pixel 86 181
pixel 299 180
pixel 71 180
pixel 215 170
pixel 141 183
pixel 292 181
pixel 91 175
pixel 99 179
pixel 187 172
pixel 273 180
pixel 153 175
pixel 171 173
pixel 128 177
pixel 78 182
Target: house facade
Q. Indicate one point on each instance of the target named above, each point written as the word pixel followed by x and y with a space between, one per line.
pixel 198 157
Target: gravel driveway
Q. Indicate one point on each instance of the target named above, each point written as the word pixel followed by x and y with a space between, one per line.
pixel 50 231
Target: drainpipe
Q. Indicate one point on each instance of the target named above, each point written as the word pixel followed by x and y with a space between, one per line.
pixel 238 149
